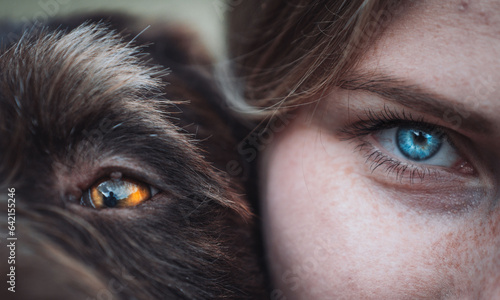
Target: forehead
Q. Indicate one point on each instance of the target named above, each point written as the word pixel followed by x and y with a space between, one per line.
pixel 448 47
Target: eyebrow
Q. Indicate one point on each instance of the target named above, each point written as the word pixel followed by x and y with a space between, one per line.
pixel 417 98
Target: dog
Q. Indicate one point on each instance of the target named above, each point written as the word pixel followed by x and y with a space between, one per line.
pixel 112 169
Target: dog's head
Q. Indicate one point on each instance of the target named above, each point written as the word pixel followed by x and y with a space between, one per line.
pixel 112 198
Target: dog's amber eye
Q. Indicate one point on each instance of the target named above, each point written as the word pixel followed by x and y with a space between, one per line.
pixel 116 192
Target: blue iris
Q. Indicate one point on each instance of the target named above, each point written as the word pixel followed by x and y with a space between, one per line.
pixel 417 144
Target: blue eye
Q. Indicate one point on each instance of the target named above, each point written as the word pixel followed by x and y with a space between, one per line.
pixel 418 144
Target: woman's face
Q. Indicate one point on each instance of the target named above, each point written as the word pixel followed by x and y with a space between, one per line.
pixel 389 190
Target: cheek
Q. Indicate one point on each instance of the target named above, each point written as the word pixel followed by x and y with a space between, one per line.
pixel 331 234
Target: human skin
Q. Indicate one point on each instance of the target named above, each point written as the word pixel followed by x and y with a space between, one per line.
pixel 336 228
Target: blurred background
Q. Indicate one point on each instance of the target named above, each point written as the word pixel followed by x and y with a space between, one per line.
pixel 205 16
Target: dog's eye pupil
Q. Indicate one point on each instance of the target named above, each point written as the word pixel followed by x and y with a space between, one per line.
pixel 116 193
pixel 111 200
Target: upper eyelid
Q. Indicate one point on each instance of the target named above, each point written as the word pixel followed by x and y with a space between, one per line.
pixel 411 95
pixel 373 121
pixel 371 127
pixel 131 170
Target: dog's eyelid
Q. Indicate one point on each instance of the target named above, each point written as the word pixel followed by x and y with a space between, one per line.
pixel 128 168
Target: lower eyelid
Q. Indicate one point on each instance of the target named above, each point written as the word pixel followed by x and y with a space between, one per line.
pixel 402 171
pixel 439 191
pixel 379 161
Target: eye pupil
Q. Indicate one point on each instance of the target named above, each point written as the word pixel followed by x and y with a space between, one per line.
pixel 111 200
pixel 417 144
pixel 419 138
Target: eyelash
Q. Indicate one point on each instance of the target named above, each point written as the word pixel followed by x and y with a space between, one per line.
pixel 385 119
pixel 373 122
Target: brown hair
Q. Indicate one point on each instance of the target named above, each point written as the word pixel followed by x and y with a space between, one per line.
pixel 287 51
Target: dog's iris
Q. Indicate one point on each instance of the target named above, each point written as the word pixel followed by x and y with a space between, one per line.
pixel 417 144
pixel 118 193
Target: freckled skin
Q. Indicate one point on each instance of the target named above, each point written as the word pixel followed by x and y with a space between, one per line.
pixel 334 232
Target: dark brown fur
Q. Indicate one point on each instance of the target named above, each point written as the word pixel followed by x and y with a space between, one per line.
pixel 76 106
